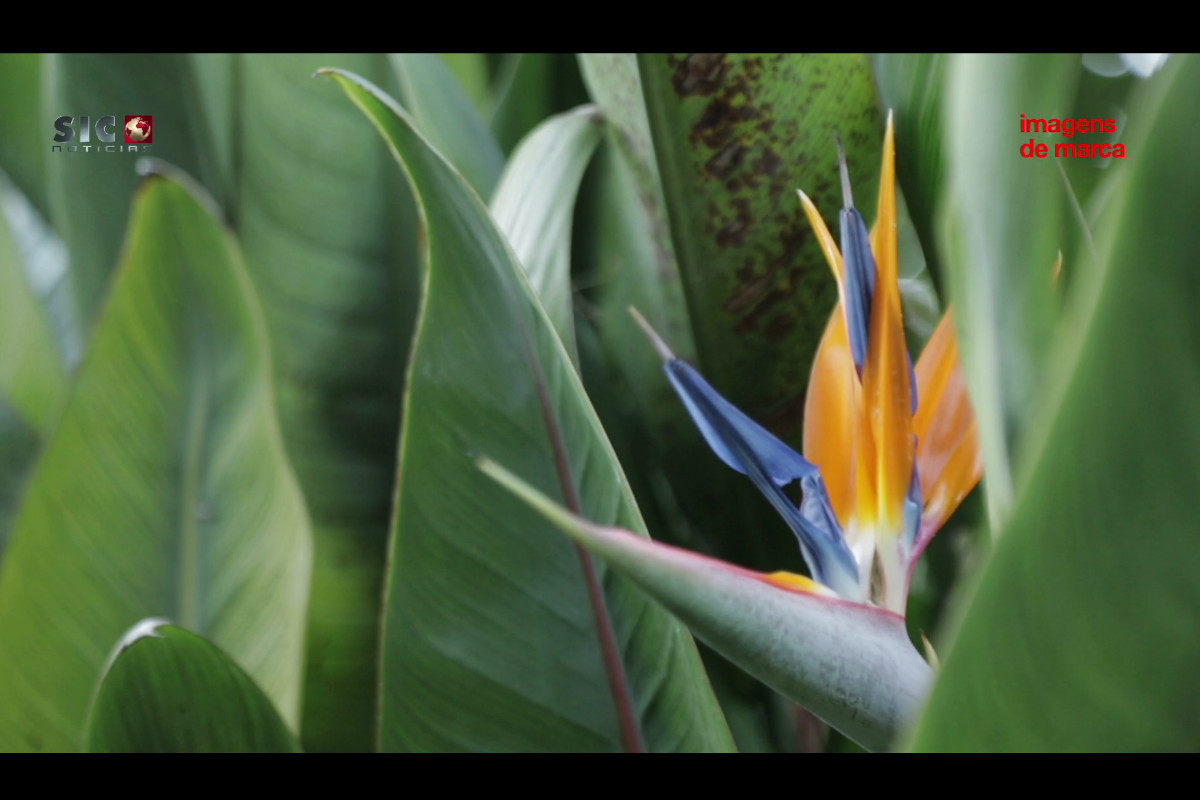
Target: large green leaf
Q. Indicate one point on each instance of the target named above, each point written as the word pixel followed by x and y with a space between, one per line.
pixel 1001 234
pixel 912 86
pixel 1082 634
pixel 89 191
pixel 492 639
pixel 525 95
pixel 636 262
pixel 43 262
pixel 471 73
pixel 328 229
pixel 31 371
pixel 164 490
pixel 25 132
pixel 534 202
pixel 32 378
pixel 19 445
pixel 446 115
pixel 216 82
pixel 167 690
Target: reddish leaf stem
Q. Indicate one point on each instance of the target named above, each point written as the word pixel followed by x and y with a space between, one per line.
pixel 618 685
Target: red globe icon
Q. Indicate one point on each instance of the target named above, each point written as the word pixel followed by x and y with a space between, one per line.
pixel 139 129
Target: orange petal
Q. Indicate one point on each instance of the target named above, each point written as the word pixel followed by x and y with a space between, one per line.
pixel 948 457
pixel 836 437
pixel 886 388
pixel 829 415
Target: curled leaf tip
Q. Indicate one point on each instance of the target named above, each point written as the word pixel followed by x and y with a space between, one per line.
pixel 145 629
pixel 660 346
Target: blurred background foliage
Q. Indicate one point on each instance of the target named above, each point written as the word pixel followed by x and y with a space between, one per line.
pixel 242 387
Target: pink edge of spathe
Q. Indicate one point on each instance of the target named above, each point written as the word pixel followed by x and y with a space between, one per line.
pixel 688 557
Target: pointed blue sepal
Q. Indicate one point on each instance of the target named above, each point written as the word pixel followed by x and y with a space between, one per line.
pixel 858 265
pixel 770 464
pixel 859 271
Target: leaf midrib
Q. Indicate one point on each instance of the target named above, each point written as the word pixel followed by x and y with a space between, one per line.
pixel 196 426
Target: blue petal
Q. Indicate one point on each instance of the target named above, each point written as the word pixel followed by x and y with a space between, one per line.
pixel 858 268
pixel 859 271
pixel 770 464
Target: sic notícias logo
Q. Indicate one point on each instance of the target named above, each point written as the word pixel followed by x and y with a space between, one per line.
pixel 75 134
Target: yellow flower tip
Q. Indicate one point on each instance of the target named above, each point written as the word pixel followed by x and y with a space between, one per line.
pixel 828 244
pixel 797 583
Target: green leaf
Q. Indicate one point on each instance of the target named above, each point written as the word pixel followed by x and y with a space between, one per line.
pixel 447 118
pixel 25 131
pixel 329 232
pixel 525 95
pixel 491 641
pixel 470 71
pixel 170 691
pixel 19 444
pixel 43 261
pixel 32 379
pixel 912 86
pixel 216 81
pixel 31 372
pixel 89 192
pixel 850 664
pixel 533 206
pixel 640 262
pixel 1082 633
pixel 164 490
pixel 1001 234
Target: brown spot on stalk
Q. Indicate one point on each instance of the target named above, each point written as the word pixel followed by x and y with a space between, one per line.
pixel 733 233
pixel 699 73
pixel 727 159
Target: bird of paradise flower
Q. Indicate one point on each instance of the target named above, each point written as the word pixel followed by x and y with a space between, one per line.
pixel 889 452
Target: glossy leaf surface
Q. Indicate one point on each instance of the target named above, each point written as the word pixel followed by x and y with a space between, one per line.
pixel 491 641
pixel 170 691
pixel 329 235
pixel 164 490
pixel 1081 634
